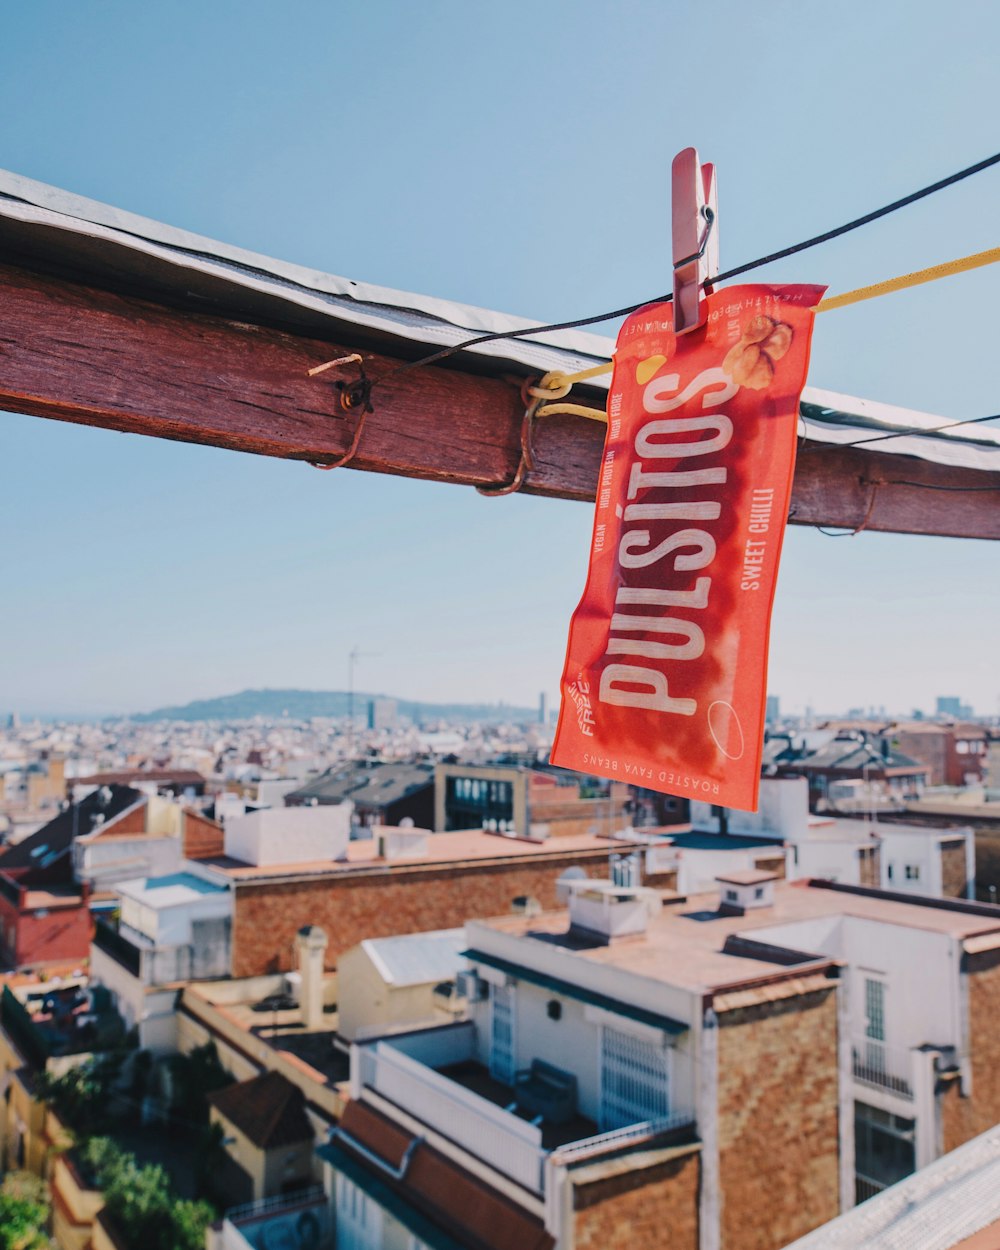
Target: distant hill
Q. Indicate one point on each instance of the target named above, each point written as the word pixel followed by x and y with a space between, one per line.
pixel 304 704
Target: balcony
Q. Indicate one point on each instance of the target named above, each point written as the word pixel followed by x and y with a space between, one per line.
pixel 883 1067
pixel 60 1022
pixel 458 1098
pixel 302 1218
pixel 160 965
pixel 865 1188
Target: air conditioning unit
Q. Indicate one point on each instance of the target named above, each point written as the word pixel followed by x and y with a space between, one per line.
pixel 470 986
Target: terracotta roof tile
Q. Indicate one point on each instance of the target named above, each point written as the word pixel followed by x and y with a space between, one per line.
pixel 268 1109
pixel 460 1203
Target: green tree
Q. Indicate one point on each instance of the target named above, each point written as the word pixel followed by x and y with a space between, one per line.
pixel 82 1096
pixel 24 1212
pixel 195 1076
pixel 141 1202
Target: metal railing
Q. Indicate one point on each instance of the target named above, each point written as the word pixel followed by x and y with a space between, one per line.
pixel 280 1202
pixel 617 1138
pixel 21 1029
pixel 865 1187
pixel 121 950
pixel 881 1066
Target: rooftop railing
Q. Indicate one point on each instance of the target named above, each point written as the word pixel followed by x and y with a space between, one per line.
pixel 882 1067
pixel 122 951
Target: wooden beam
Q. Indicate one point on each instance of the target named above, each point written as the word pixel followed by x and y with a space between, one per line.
pixel 81 354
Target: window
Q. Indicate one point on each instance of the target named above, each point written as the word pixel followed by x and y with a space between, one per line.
pixel 502 1025
pixel 759 892
pixel 890 872
pixel 874 1009
pixel 635 1080
pixel 913 872
pixel 883 1148
pixel 731 896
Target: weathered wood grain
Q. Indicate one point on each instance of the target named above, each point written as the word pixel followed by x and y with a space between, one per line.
pixel 77 353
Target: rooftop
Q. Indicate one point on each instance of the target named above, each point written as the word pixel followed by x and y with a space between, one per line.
pixel 941 1207
pixel 41 849
pixel 748 876
pixel 417 958
pixel 170 890
pixel 375 784
pixel 470 845
pixel 850 755
pixel 268 1109
pixel 686 943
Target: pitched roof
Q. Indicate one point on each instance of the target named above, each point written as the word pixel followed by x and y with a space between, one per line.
pixel 417 958
pixel 268 1109
pixel 374 785
pixel 53 840
pixel 129 776
pixel 850 755
pixel 459 1204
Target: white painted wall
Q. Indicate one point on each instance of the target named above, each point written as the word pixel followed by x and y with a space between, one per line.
pixel 171 925
pixel 914 852
pixel 920 969
pixel 783 811
pixel 919 849
pixel 571 1043
pixel 697 870
pixel 832 861
pixel 129 991
pixel 109 860
pixel 290 835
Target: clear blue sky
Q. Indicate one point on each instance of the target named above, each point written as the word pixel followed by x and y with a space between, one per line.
pixel 515 156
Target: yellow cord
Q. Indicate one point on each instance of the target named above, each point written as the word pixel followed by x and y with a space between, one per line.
pixel 571 410
pixel 931 274
pixel 561 382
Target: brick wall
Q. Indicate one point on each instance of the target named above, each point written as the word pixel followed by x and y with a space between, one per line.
pixel 953 868
pixel 130 822
pixel 964 1118
pixel 203 838
pixel 928 748
pixel 60 935
pixel 640 1209
pixel 778 1142
pixel 576 816
pixel 386 902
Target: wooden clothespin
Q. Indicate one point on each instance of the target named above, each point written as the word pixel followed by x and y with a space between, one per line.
pixel 695 208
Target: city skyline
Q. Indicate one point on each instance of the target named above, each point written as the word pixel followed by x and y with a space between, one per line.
pixel 140 573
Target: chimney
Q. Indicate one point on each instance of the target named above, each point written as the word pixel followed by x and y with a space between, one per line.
pixel 603 911
pixel 311 943
pixel 746 891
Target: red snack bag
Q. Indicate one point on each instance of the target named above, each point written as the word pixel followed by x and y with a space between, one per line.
pixel 666 666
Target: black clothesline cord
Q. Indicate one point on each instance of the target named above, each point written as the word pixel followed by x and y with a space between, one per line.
pixel 528 331
pixel 913 430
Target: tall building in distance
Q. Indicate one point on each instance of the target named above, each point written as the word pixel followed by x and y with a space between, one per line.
pixel 543 710
pixel 382 714
pixel 772 713
pixel 952 705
